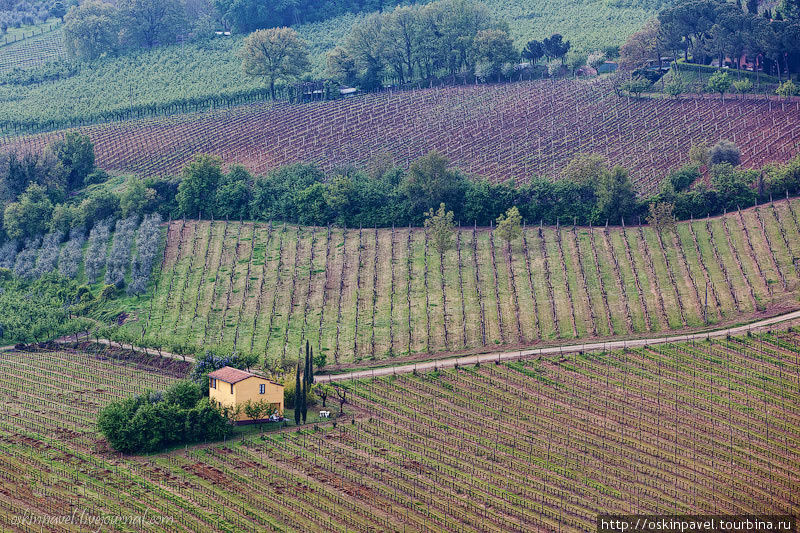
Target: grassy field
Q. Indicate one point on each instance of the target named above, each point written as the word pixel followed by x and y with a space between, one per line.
pixel 202 70
pixel 374 295
pixel 543 445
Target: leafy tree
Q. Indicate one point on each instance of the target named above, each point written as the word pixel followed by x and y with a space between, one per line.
pixel 75 154
pixel 364 45
pixel 675 86
pixel 493 48
pixel 786 89
pixel 533 51
pixel 136 199
pixel 153 420
pixel 743 86
pixel 699 154
pixel 734 188
pixel 150 22
pixel 233 194
pixel 661 215
pixel 442 227
pixel 275 54
pixel 585 169
pixel 430 182
pixel 641 47
pixel 596 59
pixel 555 47
pixel 636 86
pixel 199 181
pixel 719 82
pixel 92 29
pixel 724 152
pixel 58 10
pixel 400 40
pixel 341 66
pixel 99 205
pixel 682 178
pixel 30 216
pixel 509 225
pixel 184 394
pixel 752 7
pixel 616 197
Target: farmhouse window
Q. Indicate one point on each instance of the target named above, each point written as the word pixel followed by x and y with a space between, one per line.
pixel 213 383
pixel 261 388
pixel 231 388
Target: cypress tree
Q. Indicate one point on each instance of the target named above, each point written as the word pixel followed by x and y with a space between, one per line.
pixel 307 372
pixel 297 395
pixel 304 406
pixel 311 368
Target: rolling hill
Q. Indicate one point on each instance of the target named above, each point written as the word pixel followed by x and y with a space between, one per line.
pixel 376 295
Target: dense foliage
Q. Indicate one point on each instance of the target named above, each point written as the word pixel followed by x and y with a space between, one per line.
pixel 725 31
pixel 248 15
pixel 588 192
pixel 150 421
pixel 33 311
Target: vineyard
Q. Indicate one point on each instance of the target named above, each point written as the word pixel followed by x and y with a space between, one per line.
pixel 498 132
pixel 544 445
pixel 367 294
pixel 33 51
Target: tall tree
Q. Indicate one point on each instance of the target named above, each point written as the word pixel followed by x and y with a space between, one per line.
pixel 400 40
pixel 440 224
pixel 198 187
pixel 492 50
pixel 304 399
pixel 430 182
pixel 275 54
pixel 509 226
pixel 533 51
pixel 555 47
pixel 365 45
pixel 75 154
pixel 616 197
pixel 148 22
pixel 91 29
pixel 298 395
pixel 311 367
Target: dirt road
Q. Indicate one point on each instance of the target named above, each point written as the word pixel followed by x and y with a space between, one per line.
pixel 510 356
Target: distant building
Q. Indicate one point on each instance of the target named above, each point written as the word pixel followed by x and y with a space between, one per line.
pixel 233 388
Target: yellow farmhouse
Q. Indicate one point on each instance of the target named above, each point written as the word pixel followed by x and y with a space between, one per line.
pixel 233 388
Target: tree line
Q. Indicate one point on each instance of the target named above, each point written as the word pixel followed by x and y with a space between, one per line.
pixel 704 30
pixel 588 191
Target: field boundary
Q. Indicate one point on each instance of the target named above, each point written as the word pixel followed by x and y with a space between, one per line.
pixel 493 357
pixel 554 350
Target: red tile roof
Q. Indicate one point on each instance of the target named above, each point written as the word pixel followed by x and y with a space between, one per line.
pixel 230 375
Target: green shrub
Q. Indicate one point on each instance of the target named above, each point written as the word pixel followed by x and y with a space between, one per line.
pixel 108 292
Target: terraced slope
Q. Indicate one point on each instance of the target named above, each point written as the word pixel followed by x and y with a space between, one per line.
pixel 378 294
pixel 498 132
pixel 543 445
